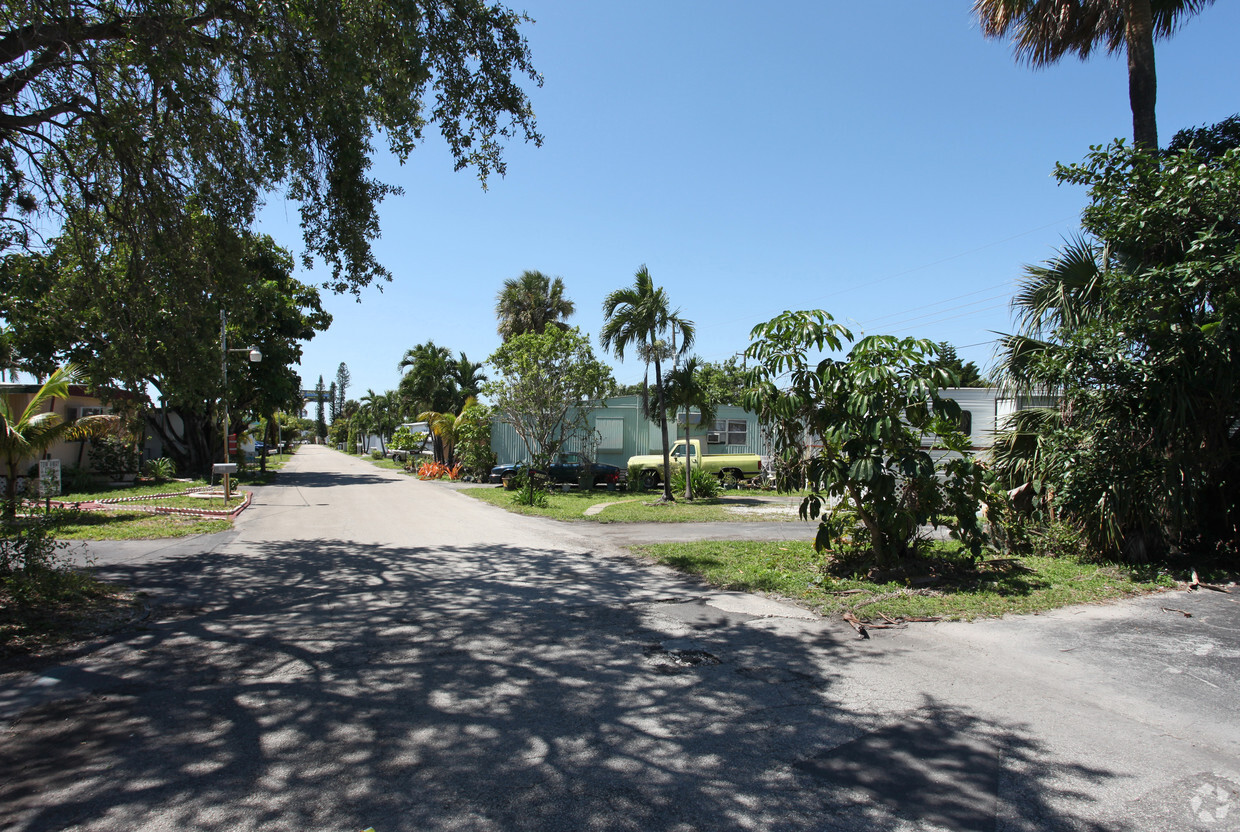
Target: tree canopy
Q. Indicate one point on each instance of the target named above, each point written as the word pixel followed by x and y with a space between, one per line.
pixel 133 322
pixel 158 109
pixel 544 381
pixel 1133 331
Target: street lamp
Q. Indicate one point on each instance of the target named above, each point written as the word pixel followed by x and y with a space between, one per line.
pixel 255 356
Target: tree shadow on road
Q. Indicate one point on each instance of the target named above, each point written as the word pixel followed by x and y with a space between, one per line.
pixel 329 685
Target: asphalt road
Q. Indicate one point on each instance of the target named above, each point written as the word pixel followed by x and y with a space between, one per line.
pixel 365 650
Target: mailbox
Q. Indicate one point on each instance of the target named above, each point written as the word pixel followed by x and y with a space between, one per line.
pixel 224 467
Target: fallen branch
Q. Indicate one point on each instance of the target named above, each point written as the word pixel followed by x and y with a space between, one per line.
pixel 1197 584
pixel 856 624
pixel 1182 612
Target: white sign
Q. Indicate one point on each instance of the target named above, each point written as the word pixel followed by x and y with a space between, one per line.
pixel 49 477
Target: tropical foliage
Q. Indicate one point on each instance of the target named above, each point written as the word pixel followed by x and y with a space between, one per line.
pixel 164 109
pixel 149 323
pixel 687 391
pixel 531 303
pixel 26 432
pixel 891 456
pixel 435 381
pixel 640 317
pixel 1132 335
pixel 544 381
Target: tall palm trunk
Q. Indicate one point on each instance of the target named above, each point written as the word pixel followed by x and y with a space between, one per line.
pixel 667 451
pixel 688 457
pixel 1142 78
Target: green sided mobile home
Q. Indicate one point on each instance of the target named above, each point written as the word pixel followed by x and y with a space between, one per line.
pixel 622 432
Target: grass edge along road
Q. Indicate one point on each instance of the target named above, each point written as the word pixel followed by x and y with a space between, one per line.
pixel 946 584
pixel 733 507
pixel 950 587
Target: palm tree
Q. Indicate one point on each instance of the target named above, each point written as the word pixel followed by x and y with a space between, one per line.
pixel 429 380
pixel 531 303
pixel 469 379
pixel 641 317
pixel 28 434
pixel 380 411
pixel 445 427
pixel 1044 31
pixel 686 388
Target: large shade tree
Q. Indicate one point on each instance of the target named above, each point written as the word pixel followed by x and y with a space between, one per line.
pixel 163 109
pixel 149 324
pixel 1043 31
pixel 640 317
pixel 531 303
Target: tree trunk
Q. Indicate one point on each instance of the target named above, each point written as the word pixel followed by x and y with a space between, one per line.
pixel 667 451
pixel 1142 77
pixel 688 458
pixel 10 494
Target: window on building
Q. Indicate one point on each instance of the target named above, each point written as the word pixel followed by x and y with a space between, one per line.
pixel 729 432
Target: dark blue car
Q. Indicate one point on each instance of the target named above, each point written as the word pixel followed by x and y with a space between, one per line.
pixel 566 468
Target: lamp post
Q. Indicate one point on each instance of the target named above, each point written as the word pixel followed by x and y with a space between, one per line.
pixel 255 356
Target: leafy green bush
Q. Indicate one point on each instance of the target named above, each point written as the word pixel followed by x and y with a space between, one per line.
pixel 376 454
pixel 635 483
pixel 74 479
pixel 705 484
pixel 878 413
pixel 116 459
pixel 34 568
pixel 161 469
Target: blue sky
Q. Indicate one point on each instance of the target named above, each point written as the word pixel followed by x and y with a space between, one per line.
pixel 881 161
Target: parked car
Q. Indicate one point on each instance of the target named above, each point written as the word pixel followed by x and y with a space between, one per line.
pixel 742 466
pixel 567 468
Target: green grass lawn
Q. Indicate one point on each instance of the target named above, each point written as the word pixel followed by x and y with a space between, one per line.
pixel 643 507
pixel 131 525
pixel 952 589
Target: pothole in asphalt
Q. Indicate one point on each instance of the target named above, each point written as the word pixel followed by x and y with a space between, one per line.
pixel 670 658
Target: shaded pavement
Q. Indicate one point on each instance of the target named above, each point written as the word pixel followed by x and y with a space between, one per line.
pixel 368 650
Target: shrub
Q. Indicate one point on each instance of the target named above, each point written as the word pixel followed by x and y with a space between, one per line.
pixel 705 484
pixel 161 469
pixel 34 568
pixel 116 459
pixel 376 454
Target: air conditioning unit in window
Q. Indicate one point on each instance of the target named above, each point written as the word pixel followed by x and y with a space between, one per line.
pixel 715 439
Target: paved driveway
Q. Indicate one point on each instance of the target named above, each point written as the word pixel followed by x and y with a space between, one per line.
pixel 366 650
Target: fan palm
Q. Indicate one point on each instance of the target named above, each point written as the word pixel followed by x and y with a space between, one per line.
pixel 641 317
pixel 531 303
pixel 686 388
pixel 27 433
pixel 1044 31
